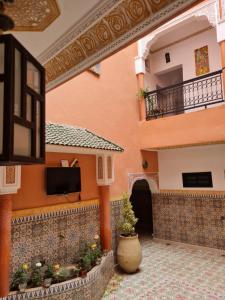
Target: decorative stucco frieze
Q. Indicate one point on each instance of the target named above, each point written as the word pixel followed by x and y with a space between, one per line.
pixel 151 178
pixel 84 46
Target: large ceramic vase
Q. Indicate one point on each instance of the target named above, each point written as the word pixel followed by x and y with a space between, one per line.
pixel 129 253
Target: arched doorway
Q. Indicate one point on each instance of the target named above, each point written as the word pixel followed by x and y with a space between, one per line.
pixel 141 200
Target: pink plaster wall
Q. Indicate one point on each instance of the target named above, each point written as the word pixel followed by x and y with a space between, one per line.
pixel 108 106
pixel 200 127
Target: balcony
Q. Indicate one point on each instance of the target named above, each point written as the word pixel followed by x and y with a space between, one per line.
pixel 190 95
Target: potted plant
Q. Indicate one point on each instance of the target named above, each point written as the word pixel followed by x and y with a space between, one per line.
pixel 85 264
pixel 129 253
pixel 21 278
pixel 36 275
pixel 62 274
pixel 48 275
pixel 142 93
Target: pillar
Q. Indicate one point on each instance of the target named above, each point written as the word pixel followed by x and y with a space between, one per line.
pixel 222 49
pixel 10 181
pixel 5 242
pixel 141 100
pixel 105 217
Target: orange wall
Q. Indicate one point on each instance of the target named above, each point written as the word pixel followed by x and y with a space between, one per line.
pixel 32 192
pixel 152 159
pixel 108 106
pixel 201 127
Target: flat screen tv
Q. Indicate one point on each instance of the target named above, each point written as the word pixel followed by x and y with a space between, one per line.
pixel 61 180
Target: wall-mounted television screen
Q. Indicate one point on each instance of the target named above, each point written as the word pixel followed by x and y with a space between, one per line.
pixel 61 180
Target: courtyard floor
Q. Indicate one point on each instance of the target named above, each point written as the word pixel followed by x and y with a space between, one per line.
pixel 172 271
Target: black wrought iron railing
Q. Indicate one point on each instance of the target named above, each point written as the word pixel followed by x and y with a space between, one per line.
pixel 191 94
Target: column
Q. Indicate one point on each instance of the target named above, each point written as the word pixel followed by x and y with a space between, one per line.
pixel 140 71
pixel 5 242
pixel 105 219
pixel 10 181
pixel 141 100
pixel 222 49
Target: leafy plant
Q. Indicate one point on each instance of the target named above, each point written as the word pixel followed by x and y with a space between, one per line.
pixel 142 93
pixel 86 262
pixel 91 254
pixel 62 275
pixel 49 272
pixel 129 221
pixel 36 277
pixel 21 276
pixel 75 271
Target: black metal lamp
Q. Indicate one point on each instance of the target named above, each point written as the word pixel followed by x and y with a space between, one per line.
pixel 22 102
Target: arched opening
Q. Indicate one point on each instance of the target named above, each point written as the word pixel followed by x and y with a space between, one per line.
pixel 141 199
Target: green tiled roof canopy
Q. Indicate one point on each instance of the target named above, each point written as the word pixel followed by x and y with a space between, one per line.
pixel 68 135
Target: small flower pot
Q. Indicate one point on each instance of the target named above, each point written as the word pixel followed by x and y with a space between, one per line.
pixel 22 287
pixel 47 282
pixel 83 273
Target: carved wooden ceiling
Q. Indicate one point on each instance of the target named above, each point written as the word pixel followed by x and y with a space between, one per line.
pixel 32 15
pixel 104 29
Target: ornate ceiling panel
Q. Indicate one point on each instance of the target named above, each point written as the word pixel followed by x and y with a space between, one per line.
pixel 89 42
pixel 32 15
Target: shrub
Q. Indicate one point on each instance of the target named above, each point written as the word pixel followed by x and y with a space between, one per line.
pixel 36 277
pixel 127 227
pixel 49 272
pixel 62 275
pixel 21 276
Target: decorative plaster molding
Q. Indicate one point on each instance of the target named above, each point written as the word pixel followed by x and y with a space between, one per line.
pixel 151 178
pixel 32 15
pixel 221 10
pixel 10 175
pixel 123 23
pixel 10 179
pixel 139 65
pixel 206 9
pixel 104 169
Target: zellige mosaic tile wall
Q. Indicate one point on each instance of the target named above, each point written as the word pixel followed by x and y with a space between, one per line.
pixel 190 218
pixel 58 237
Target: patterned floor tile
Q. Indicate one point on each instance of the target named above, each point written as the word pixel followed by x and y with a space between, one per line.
pixel 174 272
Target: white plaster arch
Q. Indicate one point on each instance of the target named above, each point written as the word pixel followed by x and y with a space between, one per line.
pixel 206 10
pixel 151 178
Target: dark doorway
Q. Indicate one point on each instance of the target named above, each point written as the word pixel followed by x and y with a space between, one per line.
pixel 170 98
pixel 141 200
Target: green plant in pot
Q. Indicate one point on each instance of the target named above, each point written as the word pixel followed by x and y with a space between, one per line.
pixel 62 274
pixel 36 277
pixel 48 276
pixel 85 264
pixel 21 278
pixel 142 93
pixel 129 253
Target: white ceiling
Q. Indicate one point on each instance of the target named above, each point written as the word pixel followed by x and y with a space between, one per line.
pixel 71 12
pixel 180 31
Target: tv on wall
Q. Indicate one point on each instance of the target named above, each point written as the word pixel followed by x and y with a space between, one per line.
pixel 61 180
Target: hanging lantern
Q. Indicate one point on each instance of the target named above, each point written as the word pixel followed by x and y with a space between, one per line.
pixel 22 105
